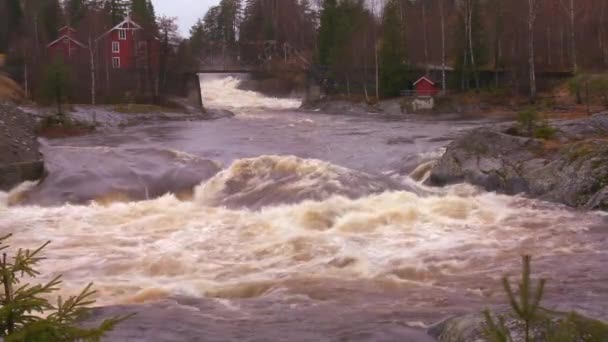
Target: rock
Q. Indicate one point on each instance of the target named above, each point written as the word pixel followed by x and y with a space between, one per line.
pixel 470 327
pixel 574 172
pixel 20 159
pixel 340 107
pixel 391 107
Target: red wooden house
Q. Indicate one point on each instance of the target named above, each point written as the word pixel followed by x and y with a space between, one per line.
pixel 426 87
pixel 66 46
pixel 129 46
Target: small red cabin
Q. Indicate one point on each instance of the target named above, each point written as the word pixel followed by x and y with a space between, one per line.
pixel 128 45
pixel 66 46
pixel 426 87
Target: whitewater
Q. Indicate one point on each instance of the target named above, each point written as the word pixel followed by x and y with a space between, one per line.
pixel 278 220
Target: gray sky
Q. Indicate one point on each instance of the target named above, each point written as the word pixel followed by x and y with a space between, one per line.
pixel 187 11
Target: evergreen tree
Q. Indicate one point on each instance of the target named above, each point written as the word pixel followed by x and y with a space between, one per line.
pixel 19 301
pixel 11 11
pixel 327 31
pixel 197 38
pixel 56 83
pixel 116 9
pixel 52 18
pixel 143 12
pixel 394 71
pixel 75 11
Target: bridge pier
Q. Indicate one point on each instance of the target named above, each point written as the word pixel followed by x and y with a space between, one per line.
pixel 194 93
pixel 313 89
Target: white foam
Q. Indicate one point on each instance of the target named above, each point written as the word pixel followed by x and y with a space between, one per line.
pixel 223 93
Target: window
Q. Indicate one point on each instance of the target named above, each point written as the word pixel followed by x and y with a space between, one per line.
pixel 115 47
pixel 122 34
pixel 116 62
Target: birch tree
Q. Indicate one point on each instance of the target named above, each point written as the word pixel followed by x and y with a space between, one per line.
pixel 532 14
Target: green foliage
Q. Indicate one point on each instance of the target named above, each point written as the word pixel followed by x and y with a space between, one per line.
pixel 598 88
pixel 117 9
pixel 75 11
pixel 23 305
pixel 143 12
pixel 56 83
pixel 393 52
pixel 545 132
pixel 536 321
pixel 528 119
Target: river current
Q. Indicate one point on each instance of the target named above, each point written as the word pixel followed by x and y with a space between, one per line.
pixel 279 224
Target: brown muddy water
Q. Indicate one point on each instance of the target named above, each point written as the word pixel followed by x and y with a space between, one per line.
pixel 291 226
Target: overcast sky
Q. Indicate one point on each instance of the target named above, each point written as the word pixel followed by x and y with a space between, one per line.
pixel 187 11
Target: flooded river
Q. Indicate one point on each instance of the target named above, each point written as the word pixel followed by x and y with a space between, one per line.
pixel 283 225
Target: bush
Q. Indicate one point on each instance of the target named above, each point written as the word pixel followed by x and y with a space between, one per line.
pixel 545 132
pixel 539 324
pixel 528 119
pixel 25 313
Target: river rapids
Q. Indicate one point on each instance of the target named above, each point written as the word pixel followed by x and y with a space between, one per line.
pixel 284 225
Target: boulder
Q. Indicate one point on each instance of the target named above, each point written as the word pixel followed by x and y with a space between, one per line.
pixel 572 170
pixel 20 159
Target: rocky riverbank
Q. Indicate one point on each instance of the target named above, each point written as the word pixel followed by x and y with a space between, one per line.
pixel 20 159
pixel 571 169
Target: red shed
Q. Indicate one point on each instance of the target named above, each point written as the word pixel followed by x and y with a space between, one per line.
pixel 66 46
pixel 426 87
pixel 128 45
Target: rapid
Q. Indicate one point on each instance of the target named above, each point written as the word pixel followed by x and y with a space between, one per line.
pixel 281 224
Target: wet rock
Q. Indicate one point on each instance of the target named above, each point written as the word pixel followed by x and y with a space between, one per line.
pixel 340 107
pixel 471 327
pixel 573 171
pixel 20 159
pixel 391 107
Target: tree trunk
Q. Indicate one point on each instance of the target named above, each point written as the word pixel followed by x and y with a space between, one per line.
pixel 549 60
pixel 532 6
pixel 92 65
pixel 425 37
pixel 26 87
pixel 603 38
pixel 497 41
pixel 469 16
pixel 573 38
pixel 443 53
pixel 377 75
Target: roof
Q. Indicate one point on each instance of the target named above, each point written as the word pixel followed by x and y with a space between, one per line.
pixel 127 20
pixel 425 78
pixel 66 27
pixel 65 36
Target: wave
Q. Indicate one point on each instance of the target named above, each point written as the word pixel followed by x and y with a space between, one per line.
pixel 273 180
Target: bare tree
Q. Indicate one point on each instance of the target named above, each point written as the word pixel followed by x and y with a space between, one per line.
pixel 571 11
pixel 532 14
pixel 92 67
pixel 443 52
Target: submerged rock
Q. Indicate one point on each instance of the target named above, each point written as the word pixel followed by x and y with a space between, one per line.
pixel 20 159
pixel 569 170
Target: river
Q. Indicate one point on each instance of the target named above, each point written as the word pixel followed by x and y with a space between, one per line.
pixel 278 224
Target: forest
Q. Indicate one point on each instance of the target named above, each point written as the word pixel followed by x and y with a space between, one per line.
pixel 371 47
pixel 467 43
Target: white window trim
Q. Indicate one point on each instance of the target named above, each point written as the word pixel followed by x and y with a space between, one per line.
pixel 116 62
pixel 115 47
pixel 122 34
